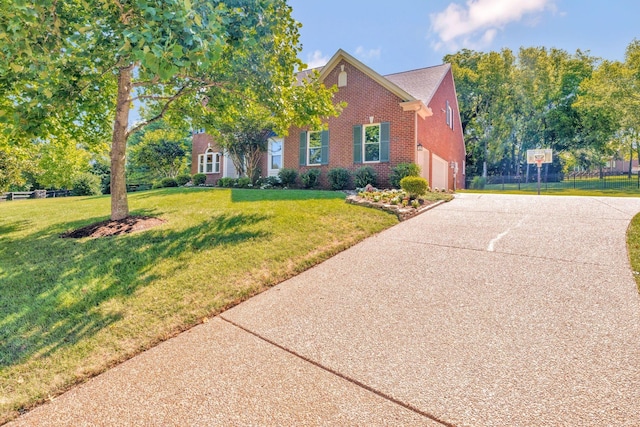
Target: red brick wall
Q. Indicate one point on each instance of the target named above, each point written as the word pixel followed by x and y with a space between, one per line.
pixel 365 98
pixel 201 142
pixel 438 137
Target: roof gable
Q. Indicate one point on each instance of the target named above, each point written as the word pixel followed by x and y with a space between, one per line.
pixel 423 83
pixel 386 83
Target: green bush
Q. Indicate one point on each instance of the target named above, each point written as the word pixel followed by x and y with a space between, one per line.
pixel 169 182
pixel 478 183
pixel 86 184
pixel 287 176
pixel 268 182
pixel 183 179
pixel 199 179
pixel 414 185
pixel 310 178
pixel 364 176
pixel 156 185
pixel 402 170
pixel 339 178
pixel 243 182
pixel 226 182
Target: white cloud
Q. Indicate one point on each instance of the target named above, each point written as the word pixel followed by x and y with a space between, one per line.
pixel 365 54
pixel 477 23
pixel 316 59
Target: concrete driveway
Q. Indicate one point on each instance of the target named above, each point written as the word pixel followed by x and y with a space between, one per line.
pixel 490 310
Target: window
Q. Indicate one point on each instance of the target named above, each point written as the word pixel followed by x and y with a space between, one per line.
pixel 275 155
pixel 314 148
pixel 209 162
pixel 371 143
pixel 449 116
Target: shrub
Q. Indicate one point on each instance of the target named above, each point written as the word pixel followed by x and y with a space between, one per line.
pixel 414 185
pixel 364 176
pixel 287 176
pixel 274 181
pixel 86 184
pixel 402 170
pixel 169 182
pixel 243 182
pixel 478 183
pixel 268 182
pixel 226 182
pixel 310 178
pixel 339 178
pixel 199 179
pixel 183 179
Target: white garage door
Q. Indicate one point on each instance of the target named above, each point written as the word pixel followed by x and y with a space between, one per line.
pixel 440 174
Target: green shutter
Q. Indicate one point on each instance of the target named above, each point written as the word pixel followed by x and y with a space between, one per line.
pixel 303 148
pixel 357 144
pixel 324 153
pixel 384 142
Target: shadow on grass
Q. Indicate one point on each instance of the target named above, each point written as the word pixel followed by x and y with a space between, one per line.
pixel 11 227
pixel 53 291
pixel 256 195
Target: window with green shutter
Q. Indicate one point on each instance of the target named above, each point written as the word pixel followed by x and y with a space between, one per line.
pixel 314 145
pixel 314 148
pixel 375 145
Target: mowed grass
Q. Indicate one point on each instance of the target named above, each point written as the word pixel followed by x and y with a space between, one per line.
pixel 513 189
pixel 71 308
pixel 633 247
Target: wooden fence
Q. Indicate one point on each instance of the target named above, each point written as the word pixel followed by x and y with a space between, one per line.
pixel 36 194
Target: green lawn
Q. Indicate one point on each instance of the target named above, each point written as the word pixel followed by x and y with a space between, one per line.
pixel 72 308
pixel 633 246
pixel 513 189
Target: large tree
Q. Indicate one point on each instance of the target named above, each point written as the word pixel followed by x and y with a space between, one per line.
pixel 84 62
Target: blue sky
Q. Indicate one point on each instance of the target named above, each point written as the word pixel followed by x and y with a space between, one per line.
pixel 399 35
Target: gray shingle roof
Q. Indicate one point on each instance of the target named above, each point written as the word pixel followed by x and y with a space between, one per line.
pixel 421 83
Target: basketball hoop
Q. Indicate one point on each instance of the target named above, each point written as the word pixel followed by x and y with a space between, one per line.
pixel 539 159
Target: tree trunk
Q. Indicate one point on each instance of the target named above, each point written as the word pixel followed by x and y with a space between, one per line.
pixel 630 161
pixel 119 205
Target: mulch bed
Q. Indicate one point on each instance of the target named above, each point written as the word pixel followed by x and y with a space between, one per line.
pixel 107 228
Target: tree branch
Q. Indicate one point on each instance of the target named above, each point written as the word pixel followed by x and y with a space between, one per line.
pixel 155 97
pixel 182 91
pixel 151 82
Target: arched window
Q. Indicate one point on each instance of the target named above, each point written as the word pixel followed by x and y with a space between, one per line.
pixel 209 162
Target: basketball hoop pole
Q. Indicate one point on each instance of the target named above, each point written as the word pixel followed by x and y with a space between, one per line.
pixel 539 159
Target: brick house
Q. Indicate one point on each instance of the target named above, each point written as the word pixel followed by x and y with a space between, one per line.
pixel 410 116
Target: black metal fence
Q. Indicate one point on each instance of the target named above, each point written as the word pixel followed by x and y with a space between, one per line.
pixel 550 181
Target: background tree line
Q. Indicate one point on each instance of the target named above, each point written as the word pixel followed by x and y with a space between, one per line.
pixel 584 108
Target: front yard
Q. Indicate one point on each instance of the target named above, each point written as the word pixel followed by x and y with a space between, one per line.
pixel 71 308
